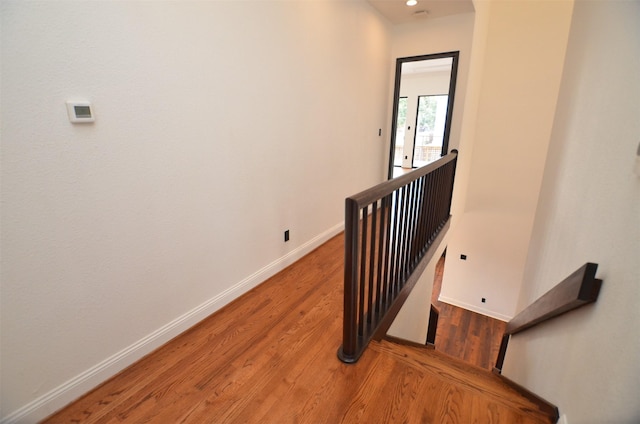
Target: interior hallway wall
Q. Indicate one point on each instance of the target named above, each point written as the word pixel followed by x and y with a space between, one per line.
pixel 516 72
pixel 586 362
pixel 218 126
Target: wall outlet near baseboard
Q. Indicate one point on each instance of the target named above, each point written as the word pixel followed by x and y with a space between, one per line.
pixel 286 236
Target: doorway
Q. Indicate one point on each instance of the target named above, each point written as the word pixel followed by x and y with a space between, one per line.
pixel 422 110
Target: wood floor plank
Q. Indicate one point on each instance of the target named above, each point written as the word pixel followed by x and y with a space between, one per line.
pixel 404 391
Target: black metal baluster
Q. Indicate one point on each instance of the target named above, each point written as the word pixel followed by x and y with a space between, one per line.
pixel 363 267
pixel 372 263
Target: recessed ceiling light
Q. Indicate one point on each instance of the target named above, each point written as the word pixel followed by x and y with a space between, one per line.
pixel 412 2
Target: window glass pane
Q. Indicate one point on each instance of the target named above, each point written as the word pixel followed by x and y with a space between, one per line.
pixel 401 126
pixel 432 115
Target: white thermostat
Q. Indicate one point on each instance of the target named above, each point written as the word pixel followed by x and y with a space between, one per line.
pixel 80 112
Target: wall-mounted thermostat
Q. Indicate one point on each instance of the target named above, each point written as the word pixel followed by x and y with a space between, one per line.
pixel 80 112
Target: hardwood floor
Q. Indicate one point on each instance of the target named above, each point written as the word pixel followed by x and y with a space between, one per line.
pixel 270 357
pixel 466 335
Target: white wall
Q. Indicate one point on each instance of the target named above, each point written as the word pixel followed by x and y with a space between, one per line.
pixel 453 33
pixel 427 84
pixel 412 322
pixel 586 362
pixel 519 75
pixel 218 126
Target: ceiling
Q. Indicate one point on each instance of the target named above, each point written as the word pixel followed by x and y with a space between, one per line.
pixel 426 66
pixel 397 12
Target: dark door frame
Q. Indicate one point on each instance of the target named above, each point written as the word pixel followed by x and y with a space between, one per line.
pixel 396 98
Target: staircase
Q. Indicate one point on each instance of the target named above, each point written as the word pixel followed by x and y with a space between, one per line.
pixel 270 357
pixel 391 233
pixel 441 389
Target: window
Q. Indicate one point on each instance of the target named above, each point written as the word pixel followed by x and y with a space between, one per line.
pixel 430 124
pixel 400 131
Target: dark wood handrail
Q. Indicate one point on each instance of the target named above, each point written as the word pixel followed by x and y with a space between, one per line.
pixel 390 230
pixel 578 289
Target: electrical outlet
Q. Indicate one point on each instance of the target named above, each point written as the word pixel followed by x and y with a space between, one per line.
pixel 484 300
pixel 463 257
pixel 286 235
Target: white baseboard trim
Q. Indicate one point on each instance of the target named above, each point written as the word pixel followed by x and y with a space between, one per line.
pixel 474 308
pixel 71 390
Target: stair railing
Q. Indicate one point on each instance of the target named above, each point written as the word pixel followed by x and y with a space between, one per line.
pixel 391 232
pixel 577 290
